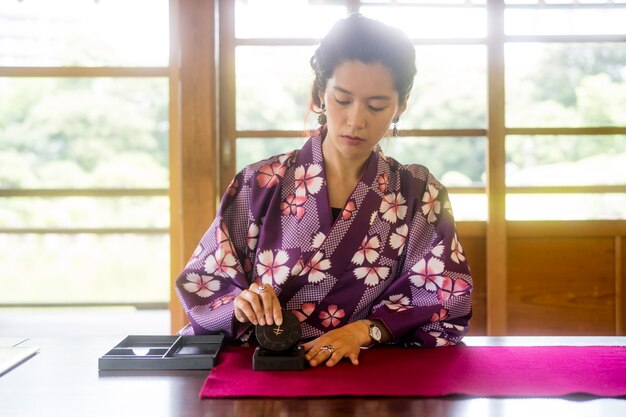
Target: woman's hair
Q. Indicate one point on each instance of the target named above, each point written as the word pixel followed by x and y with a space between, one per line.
pixel 358 38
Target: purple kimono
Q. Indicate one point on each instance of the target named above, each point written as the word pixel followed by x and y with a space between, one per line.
pixel 392 254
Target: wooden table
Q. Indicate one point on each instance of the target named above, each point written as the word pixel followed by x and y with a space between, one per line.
pixel 63 380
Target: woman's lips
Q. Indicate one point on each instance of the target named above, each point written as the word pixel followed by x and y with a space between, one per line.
pixel 352 140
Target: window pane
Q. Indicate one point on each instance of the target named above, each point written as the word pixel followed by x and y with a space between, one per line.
pixel 566 207
pixel 250 150
pixel 456 162
pixel 96 212
pixel 469 207
pixel 273 88
pixel 78 133
pixel 433 22
pixel 84 33
pixel 565 84
pixel 450 89
pixel 285 18
pixel 565 160
pixel 84 268
pixel 564 21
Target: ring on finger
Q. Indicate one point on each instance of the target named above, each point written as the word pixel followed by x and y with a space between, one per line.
pixel 329 348
pixel 261 289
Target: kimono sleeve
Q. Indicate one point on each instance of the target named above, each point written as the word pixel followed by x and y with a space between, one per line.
pixel 429 302
pixel 215 274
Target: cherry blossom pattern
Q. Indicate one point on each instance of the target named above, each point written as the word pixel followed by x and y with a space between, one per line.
pixel 308 180
pixel 451 326
pixel 457 250
pixel 437 250
pixel 318 240
pixel 293 205
pixel 431 206
pixel 397 239
pixel 305 311
pixel 316 267
pixel 271 268
pixel 297 268
pixel 429 274
pixel 270 174
pixel 442 315
pixel 451 288
pixel 221 263
pixel 398 302
pixel 202 285
pixel 253 236
pixel 393 207
pixel 348 210
pixel 223 300
pixel 332 316
pixel 223 235
pixel 372 274
pixel 368 249
pixel 383 182
pixel 441 341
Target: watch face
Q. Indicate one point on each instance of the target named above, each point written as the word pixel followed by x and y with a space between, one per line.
pixel 375 333
pixel 278 338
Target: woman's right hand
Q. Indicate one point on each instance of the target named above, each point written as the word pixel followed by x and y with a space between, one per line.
pixel 258 305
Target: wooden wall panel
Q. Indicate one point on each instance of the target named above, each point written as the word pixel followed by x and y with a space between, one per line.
pixel 561 286
pixel 476 256
pixel 621 287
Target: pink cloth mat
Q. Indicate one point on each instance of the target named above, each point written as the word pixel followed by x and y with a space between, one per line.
pixel 484 371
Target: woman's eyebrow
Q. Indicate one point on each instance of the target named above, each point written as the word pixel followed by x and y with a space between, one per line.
pixel 380 97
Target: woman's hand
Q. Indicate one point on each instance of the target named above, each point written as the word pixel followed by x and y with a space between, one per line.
pixel 258 305
pixel 344 342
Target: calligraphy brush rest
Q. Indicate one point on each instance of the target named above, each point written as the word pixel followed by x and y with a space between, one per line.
pixel 279 349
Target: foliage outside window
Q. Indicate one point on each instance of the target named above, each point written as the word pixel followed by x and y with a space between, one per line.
pixel 84 210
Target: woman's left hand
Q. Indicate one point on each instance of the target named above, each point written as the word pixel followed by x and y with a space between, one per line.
pixel 344 342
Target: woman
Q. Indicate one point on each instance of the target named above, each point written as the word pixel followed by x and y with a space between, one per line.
pixel 363 250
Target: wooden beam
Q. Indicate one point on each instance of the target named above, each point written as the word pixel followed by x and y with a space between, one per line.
pixel 194 164
pixel 496 188
pixel 227 94
pixel 566 228
pixel 75 72
pixel 573 131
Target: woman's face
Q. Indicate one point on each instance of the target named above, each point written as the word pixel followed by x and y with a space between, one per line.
pixel 361 102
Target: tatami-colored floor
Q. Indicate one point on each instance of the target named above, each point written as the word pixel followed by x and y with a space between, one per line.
pixel 72 321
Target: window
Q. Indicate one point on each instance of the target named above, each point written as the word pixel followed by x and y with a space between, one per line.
pixel 565 110
pixel 447 109
pixel 84 210
pixel 565 90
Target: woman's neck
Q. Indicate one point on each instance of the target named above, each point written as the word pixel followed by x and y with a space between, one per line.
pixel 337 167
pixel 342 176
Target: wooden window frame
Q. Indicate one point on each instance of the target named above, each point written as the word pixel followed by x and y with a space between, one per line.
pixel 186 230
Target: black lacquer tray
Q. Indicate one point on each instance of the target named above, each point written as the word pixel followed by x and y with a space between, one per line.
pixel 163 352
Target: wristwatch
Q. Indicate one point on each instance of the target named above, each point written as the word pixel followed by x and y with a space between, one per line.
pixel 375 334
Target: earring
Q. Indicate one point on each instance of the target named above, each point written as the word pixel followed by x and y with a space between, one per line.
pixel 395 121
pixel 321 119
